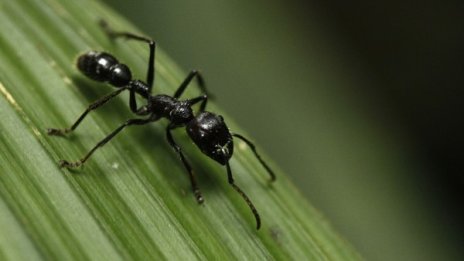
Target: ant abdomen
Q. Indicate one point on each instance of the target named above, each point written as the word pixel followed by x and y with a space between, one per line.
pixel 103 67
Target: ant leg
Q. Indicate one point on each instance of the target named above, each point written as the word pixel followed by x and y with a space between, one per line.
pixel 132 101
pixel 203 99
pixel 196 190
pixel 244 196
pixel 151 43
pixel 64 163
pixel 186 82
pixel 253 148
pixel 142 111
pixel 93 106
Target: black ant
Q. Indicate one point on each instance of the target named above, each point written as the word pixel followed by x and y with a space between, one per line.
pixel 207 130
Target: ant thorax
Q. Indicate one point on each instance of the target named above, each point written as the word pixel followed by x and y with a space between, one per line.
pixel 178 112
pixel 181 114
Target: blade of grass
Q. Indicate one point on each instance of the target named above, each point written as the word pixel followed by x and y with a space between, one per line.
pixel 132 200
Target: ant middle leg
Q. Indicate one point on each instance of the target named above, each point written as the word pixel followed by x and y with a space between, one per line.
pixel 203 99
pixel 93 106
pixel 151 43
pixel 67 164
pixel 253 148
pixel 177 148
pixel 186 82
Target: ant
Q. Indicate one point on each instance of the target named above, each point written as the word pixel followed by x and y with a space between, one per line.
pixel 206 129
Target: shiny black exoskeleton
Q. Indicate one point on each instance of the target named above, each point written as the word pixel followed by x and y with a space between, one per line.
pixel 206 129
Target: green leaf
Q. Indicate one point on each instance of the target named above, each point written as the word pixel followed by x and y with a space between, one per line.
pixel 132 199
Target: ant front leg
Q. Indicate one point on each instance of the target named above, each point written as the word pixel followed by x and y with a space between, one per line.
pixel 151 43
pixel 196 190
pixel 230 179
pixel 253 148
pixel 93 106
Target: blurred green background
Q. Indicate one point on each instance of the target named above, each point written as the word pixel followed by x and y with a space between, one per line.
pixel 360 102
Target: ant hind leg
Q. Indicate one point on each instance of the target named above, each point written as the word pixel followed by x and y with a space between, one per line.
pixel 151 43
pixel 93 106
pixel 67 164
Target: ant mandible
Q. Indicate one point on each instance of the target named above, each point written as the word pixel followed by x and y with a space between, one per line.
pixel 206 129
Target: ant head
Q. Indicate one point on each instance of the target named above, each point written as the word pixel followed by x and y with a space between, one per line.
pixel 222 151
pixel 210 133
pixel 181 114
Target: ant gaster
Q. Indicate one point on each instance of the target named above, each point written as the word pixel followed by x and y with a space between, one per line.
pixel 206 129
